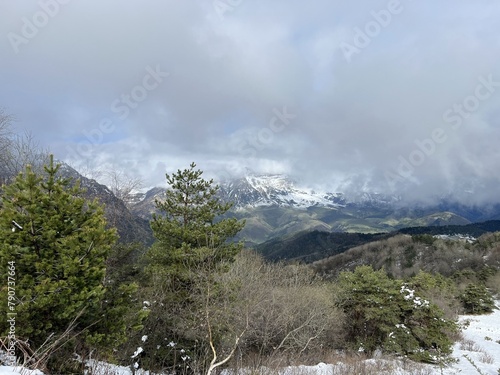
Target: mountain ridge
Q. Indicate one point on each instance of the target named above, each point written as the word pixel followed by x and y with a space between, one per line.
pixel 275 206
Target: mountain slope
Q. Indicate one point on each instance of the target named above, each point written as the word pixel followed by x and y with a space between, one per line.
pixel 316 245
pixel 273 205
pixel 311 246
pixel 473 229
pixel 404 255
pixel 130 227
pixel 269 190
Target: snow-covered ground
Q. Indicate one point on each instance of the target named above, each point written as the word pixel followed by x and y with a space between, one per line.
pixel 8 370
pixel 477 353
pixel 481 345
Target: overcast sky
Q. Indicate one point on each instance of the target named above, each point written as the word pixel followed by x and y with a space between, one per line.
pixel 387 96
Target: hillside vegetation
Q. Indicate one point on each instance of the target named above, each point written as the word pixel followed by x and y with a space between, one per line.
pixel 404 255
pixel 310 246
pixel 315 245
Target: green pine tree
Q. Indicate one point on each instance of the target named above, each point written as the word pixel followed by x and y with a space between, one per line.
pixel 369 298
pixel 477 300
pixel 389 315
pixel 120 314
pixel 192 247
pixel 58 243
pixel 189 230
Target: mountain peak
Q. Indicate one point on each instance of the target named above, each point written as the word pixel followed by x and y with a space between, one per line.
pixel 274 190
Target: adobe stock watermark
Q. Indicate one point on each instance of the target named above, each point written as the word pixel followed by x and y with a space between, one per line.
pixel 454 117
pixel 11 312
pixel 122 107
pixel 249 147
pixel 31 26
pixel 363 36
pixel 221 7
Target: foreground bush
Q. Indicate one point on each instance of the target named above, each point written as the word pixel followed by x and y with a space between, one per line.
pixel 388 315
pixel 288 309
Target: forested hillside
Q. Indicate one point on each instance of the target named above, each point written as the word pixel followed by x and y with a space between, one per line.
pixel 310 246
pixel 405 255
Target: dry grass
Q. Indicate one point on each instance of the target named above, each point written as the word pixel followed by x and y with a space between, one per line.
pixel 343 364
pixel 99 368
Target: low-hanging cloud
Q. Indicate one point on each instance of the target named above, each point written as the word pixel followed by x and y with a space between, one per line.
pixel 386 119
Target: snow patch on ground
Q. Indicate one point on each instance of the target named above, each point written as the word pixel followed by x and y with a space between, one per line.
pixel 9 370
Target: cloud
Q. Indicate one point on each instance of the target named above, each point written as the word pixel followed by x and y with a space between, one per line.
pixel 358 120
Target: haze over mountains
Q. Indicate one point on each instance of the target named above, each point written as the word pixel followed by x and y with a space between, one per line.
pixel 287 221
pixel 275 205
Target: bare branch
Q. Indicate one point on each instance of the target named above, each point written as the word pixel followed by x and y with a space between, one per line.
pixel 122 185
pixel 213 363
pixel 87 169
pixel 18 150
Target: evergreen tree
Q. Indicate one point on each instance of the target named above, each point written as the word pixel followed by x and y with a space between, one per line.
pixel 120 314
pixel 477 300
pixel 189 230
pixel 192 247
pixel 369 300
pixel 59 243
pixel 387 314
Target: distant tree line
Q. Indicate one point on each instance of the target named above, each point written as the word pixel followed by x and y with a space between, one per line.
pixel 473 229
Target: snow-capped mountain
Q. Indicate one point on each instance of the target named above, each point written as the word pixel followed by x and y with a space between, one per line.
pixel 275 205
pixel 279 190
pixel 253 191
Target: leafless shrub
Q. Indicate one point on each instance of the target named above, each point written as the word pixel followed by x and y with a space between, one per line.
pixel 292 313
pixel 493 283
pixel 38 358
pixel 121 184
pixel 470 346
pixel 486 358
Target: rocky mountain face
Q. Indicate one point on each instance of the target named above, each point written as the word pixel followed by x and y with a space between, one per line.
pixel 130 227
pixel 268 190
pixel 258 191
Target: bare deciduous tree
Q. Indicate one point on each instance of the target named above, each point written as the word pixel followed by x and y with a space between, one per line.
pixel 5 140
pixel 217 311
pixel 281 308
pixel 18 150
pixel 122 185
pixel 87 169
